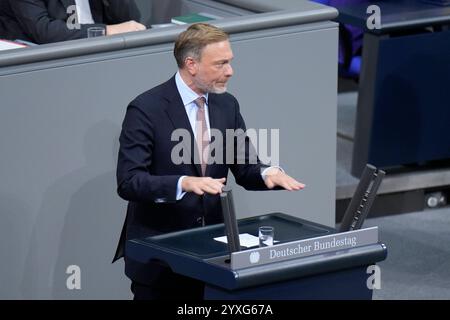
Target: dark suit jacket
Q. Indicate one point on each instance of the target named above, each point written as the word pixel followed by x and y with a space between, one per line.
pixel 147 177
pixel 44 21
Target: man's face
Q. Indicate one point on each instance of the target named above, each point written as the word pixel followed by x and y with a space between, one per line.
pixel 212 72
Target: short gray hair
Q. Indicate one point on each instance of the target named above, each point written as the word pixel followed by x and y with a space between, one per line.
pixel 192 41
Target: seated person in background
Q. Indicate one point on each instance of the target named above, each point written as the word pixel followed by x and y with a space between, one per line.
pixel 45 21
pixel 350 41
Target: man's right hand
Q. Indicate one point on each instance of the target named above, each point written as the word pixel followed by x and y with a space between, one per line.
pixel 201 185
pixel 128 26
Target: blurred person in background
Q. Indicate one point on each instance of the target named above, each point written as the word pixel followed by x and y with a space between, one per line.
pixel 46 21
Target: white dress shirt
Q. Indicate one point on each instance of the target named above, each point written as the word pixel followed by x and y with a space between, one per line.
pixel 188 96
pixel 84 12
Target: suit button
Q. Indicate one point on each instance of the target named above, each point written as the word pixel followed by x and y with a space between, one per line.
pixel 201 221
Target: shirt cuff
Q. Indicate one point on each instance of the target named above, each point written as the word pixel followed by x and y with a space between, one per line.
pixel 263 173
pixel 180 192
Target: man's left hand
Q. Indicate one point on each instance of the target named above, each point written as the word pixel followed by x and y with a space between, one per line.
pixel 276 178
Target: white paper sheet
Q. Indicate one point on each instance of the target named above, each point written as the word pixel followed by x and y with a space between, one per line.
pixel 246 240
pixel 7 45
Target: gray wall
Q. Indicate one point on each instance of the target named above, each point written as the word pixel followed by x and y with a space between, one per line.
pixel 59 125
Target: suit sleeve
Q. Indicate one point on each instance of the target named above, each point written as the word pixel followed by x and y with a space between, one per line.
pixel 35 21
pixel 118 11
pixel 134 181
pixel 246 167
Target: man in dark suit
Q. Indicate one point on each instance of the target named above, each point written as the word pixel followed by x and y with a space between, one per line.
pixel 165 195
pixel 45 21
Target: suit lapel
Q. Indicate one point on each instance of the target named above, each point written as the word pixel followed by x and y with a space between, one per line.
pixel 178 117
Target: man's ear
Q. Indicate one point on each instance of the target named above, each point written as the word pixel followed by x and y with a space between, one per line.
pixel 191 66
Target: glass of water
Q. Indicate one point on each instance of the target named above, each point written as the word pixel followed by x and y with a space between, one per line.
pixel 96 32
pixel 265 234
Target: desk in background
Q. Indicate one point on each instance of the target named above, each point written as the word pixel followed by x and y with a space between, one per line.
pixel 403 113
